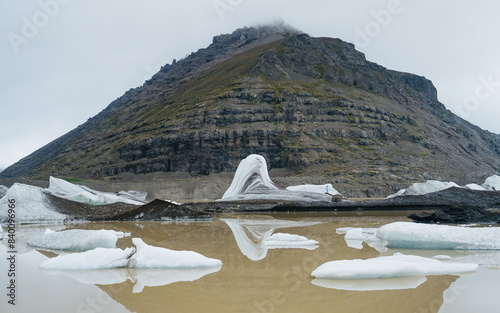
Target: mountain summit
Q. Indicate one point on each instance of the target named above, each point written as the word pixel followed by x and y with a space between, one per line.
pixel 313 107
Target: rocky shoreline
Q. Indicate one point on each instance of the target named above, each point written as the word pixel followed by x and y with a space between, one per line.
pixel 452 206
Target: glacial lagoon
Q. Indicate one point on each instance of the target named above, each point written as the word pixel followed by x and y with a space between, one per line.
pixel 255 276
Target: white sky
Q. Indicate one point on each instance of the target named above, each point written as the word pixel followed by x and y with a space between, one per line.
pixel 63 61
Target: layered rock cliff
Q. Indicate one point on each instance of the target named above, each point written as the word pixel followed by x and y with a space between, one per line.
pixel 314 107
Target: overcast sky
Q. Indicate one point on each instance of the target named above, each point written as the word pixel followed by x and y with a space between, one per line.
pixel 63 61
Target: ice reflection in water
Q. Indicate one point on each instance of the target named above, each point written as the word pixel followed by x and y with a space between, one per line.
pixel 281 282
pixel 251 235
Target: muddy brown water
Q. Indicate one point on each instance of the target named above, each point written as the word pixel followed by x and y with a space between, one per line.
pixel 272 280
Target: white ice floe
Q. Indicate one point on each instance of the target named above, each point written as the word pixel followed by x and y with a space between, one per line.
pixel 66 190
pixel 98 258
pixel 442 257
pixel 492 183
pixel 252 236
pixel 31 205
pixel 327 188
pixel 355 237
pixel 393 283
pixel 76 239
pixel 407 235
pixel 252 182
pixel 397 265
pixel 25 231
pixel 145 256
pixel 156 257
pixel 283 240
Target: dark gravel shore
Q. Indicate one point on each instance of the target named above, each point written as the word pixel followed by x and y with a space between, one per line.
pixel 454 205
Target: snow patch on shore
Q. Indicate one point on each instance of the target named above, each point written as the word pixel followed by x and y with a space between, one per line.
pixel 31 205
pixel 78 193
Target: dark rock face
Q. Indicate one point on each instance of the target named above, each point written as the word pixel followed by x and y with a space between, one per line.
pixel 313 106
pixel 457 216
pixel 162 210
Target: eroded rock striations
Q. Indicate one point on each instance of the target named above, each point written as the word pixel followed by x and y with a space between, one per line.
pixel 313 106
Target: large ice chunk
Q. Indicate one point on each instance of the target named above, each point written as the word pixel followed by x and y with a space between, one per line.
pixel 424 236
pixel 283 240
pixel 354 237
pixel 326 188
pixel 66 190
pixel 76 239
pixel 98 258
pixel 252 182
pixel 31 205
pixel 252 236
pixel 397 265
pixel 156 257
pixel 145 256
pixel 492 183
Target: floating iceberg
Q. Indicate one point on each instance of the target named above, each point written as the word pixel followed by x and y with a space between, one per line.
pixel 155 257
pixel 32 205
pixel 424 236
pixel 405 235
pixel 98 258
pixel 492 183
pixel 252 236
pixel 66 190
pixel 252 182
pixel 145 256
pixel 282 240
pixel 355 237
pixel 397 265
pixel 327 188
pixel 76 239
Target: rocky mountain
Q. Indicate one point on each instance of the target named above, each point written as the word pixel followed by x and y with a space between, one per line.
pixel 315 108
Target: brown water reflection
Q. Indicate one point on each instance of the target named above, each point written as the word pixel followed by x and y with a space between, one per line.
pixel 281 282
